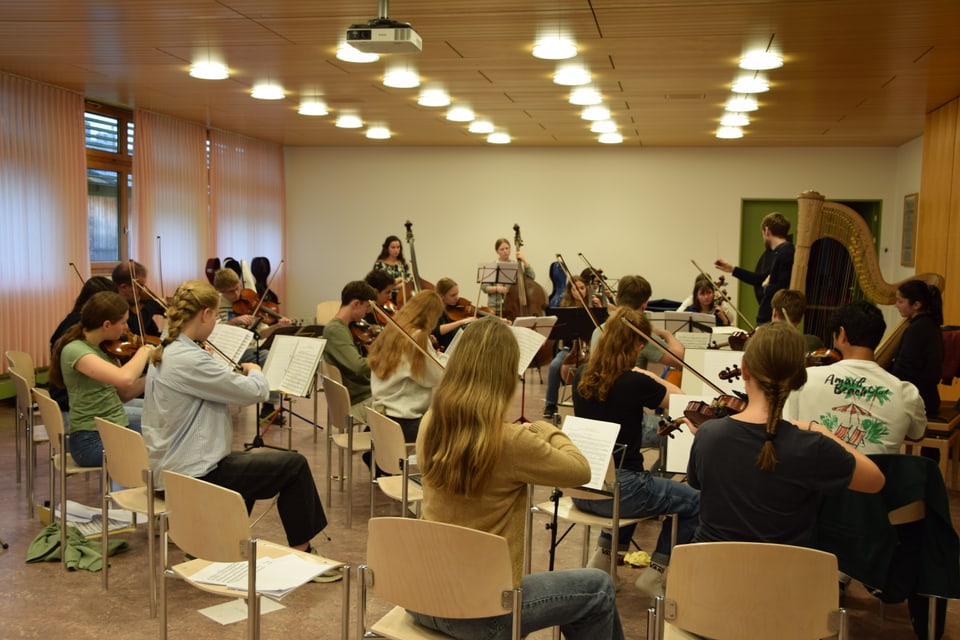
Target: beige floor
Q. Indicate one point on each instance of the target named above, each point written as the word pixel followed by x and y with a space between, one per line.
pixel 43 601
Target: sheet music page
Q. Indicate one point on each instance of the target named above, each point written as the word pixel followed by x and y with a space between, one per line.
pixel 231 340
pixel 678 447
pixel 530 342
pixel 694 340
pixel 292 364
pixel 596 440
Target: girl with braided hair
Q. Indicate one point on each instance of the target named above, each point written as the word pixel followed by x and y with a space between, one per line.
pixel 760 476
pixel 187 425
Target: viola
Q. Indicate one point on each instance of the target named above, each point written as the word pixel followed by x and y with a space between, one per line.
pixel 127 345
pixel 823 357
pixel 698 412
pixel 249 302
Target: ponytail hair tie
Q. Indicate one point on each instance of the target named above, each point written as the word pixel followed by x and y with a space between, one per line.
pixel 770 436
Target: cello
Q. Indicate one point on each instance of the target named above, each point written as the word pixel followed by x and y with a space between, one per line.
pixel 527 298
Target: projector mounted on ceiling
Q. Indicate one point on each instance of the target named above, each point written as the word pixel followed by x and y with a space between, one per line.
pixel 383 35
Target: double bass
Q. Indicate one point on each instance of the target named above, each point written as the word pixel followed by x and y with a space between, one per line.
pixel 417 284
pixel 527 298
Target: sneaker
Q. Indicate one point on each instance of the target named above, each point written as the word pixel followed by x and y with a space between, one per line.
pixel 651 582
pixel 549 411
pixel 600 560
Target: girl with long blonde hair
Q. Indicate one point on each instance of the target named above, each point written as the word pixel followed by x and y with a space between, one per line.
pixel 475 469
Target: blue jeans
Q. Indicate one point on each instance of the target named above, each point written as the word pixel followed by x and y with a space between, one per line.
pixel 643 494
pixel 86 446
pixel 581 601
pixel 553 378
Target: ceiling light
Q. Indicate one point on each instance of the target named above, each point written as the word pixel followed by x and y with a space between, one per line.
pixel 499 137
pixel 208 70
pixel 481 126
pixel 460 114
pixel 571 75
pixel 378 133
pixel 610 138
pixel 554 48
pixel 348 54
pixel 761 60
pixel 734 120
pixel 750 84
pixel 349 121
pixel 742 103
pixel 433 98
pixel 597 112
pixel 585 96
pixel 313 108
pixel 729 133
pixel 267 91
pixel 401 79
pixel 603 126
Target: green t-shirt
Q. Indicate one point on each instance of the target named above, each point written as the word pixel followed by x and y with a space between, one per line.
pixel 89 398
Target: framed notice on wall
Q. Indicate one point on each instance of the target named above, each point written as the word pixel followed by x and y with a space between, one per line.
pixel 908 236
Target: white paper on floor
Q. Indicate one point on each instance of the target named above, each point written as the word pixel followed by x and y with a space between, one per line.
pixel 236 610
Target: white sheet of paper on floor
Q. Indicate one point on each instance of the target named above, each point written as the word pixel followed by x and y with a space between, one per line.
pixel 236 610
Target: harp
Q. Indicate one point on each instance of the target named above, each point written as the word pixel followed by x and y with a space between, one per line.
pixel 836 262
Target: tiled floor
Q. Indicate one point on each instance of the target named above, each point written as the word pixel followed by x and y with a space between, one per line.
pixel 43 601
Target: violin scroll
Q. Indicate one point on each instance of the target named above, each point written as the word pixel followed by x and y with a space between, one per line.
pixel 730 373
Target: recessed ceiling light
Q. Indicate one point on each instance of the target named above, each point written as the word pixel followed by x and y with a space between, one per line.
pixel 378 133
pixel 433 98
pixel 209 70
pixel 571 75
pixel 313 108
pixel 603 126
pixel 348 54
pixel 585 96
pixel 500 137
pixel 554 48
pixel 267 91
pixel 734 120
pixel 729 133
pixel 750 84
pixel 761 60
pixel 460 114
pixel 597 112
pixel 742 103
pixel 401 79
pixel 349 121
pixel 610 138
pixel 481 126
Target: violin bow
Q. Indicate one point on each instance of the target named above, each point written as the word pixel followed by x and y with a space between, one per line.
pixel 160 264
pixel 599 278
pixel 378 310
pixel 77 271
pixel 572 285
pixel 722 295
pixel 665 349
pixel 136 299
pixel 267 290
pixel 151 294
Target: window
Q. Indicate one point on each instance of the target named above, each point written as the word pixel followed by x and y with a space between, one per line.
pixel 109 142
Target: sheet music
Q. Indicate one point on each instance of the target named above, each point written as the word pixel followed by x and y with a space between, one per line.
pixel 694 340
pixel 678 447
pixel 530 342
pixel 596 440
pixel 276 577
pixel 231 340
pixel 292 363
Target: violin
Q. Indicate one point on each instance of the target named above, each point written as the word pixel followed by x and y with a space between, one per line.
pixel 249 304
pixel 464 309
pixel 364 334
pixel 127 345
pixel 823 357
pixel 698 412
pixel 730 373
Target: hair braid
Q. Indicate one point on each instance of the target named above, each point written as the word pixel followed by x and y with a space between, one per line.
pixel 192 297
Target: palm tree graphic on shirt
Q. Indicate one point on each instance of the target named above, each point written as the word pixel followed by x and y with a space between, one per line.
pixel 853 422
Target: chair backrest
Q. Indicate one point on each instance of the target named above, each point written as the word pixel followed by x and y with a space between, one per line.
pixel 326 310
pixel 338 403
pixel 438 569
pixel 206 520
pixel 23 363
pixel 389 446
pixel 331 371
pixel 126 453
pixel 753 590
pixel 52 418
pixel 22 388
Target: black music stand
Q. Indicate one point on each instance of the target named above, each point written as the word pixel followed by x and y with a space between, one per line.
pixel 574 322
pixel 498 273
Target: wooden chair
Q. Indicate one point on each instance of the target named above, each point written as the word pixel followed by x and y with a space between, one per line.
pixel 60 461
pixel 211 523
pixel 567 511
pixel 944 436
pixel 126 461
pixel 392 455
pixel 326 310
pixel 341 432
pixel 436 569
pixel 728 590
pixel 33 430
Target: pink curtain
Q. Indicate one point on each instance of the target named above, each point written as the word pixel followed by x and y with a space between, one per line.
pixel 170 200
pixel 43 209
pixel 247 201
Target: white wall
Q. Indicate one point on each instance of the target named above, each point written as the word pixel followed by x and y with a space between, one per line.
pixel 646 211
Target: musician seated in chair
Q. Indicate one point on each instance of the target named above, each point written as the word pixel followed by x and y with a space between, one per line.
pixel 148 306
pixel 342 350
pixel 576 290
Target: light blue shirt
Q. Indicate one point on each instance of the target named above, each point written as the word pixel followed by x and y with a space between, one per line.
pixel 186 415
